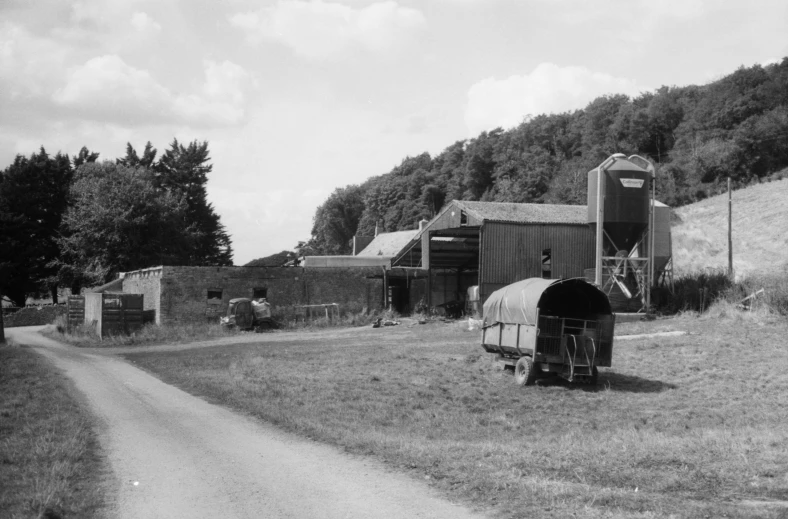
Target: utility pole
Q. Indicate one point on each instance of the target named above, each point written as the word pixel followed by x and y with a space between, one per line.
pixel 730 231
pixel 2 326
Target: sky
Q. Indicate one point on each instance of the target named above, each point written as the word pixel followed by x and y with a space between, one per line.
pixel 299 97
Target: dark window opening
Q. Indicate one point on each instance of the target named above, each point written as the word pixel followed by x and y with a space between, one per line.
pixel 463 218
pixel 547 263
pixel 257 293
pixel 214 295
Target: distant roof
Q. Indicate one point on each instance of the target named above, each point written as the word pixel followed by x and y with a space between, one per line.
pixel 116 284
pixel 346 261
pixel 388 244
pixel 526 213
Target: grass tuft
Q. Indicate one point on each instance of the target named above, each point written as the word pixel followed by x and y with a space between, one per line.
pixel 49 465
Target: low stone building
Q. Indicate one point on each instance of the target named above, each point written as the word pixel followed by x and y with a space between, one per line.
pixel 178 294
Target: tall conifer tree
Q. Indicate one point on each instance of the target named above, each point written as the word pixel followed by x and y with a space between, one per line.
pixel 184 170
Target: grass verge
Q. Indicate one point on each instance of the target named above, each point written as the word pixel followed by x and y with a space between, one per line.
pixel 691 426
pixel 49 456
pixel 85 337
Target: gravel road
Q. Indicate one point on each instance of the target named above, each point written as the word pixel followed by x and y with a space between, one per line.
pixel 175 455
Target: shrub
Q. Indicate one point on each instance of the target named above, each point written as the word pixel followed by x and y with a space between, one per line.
pixel 775 292
pixel 691 292
pixel 697 292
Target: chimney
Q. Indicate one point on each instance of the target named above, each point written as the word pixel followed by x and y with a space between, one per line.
pixel 376 229
pixel 422 223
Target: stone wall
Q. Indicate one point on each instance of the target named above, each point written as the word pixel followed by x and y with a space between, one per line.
pixel 33 316
pixel 203 293
pixel 148 283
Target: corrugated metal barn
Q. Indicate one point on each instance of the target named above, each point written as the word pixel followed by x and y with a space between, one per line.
pixel 493 244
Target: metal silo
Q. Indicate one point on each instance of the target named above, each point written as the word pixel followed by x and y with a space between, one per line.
pixel 626 204
pixel 618 197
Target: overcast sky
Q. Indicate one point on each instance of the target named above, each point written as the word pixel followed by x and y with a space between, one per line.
pixel 299 97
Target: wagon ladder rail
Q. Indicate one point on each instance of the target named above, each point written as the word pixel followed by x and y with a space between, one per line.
pixel 573 358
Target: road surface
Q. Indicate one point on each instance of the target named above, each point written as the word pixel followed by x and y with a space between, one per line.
pixel 175 455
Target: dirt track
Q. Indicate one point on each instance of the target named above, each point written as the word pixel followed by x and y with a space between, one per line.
pixel 175 455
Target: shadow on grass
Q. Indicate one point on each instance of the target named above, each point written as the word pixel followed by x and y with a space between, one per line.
pixel 613 382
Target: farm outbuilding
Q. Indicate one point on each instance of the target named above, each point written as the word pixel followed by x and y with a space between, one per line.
pixel 493 244
pixel 179 294
pixel 403 289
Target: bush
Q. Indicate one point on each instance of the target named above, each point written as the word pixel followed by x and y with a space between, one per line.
pixel 774 297
pixel 697 292
pixel 691 292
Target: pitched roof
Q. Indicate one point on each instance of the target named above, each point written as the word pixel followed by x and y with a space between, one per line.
pixel 388 243
pixel 526 213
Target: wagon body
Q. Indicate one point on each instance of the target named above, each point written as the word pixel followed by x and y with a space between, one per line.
pixel 555 326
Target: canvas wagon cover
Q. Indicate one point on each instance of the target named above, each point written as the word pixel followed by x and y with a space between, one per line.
pixel 516 303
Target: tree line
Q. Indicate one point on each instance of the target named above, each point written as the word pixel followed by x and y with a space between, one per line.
pixel 697 136
pixel 77 221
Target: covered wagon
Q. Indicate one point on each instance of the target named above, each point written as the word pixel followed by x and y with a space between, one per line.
pixel 550 326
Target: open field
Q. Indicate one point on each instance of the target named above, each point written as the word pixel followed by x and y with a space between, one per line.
pixel 49 456
pixel 691 426
pixel 760 231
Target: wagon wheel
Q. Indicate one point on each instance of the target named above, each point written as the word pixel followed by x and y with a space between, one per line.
pixel 524 372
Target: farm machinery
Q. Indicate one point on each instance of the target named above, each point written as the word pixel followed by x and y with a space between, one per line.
pixel 541 327
pixel 248 314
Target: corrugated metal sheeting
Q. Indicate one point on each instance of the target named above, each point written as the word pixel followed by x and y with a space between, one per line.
pixel 510 252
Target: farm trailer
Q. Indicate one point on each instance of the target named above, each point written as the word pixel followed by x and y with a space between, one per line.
pixel 547 326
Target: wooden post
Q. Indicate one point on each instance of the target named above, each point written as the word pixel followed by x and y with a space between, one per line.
pixel 650 243
pixel 2 326
pixel 730 230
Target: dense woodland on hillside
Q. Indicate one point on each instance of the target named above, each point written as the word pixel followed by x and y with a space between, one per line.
pixel 698 136
pixel 76 222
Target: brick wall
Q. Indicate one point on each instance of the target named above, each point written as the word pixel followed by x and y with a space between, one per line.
pixel 34 316
pixel 181 293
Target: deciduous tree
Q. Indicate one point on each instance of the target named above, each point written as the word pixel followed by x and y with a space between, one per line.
pixel 33 198
pixel 119 221
pixel 336 221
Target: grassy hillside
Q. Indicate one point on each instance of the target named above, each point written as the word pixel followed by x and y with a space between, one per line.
pixel 760 231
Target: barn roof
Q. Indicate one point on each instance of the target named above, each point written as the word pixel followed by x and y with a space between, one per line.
pixel 388 244
pixel 525 213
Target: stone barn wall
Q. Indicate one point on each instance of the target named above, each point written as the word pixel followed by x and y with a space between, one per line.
pixel 148 283
pixel 202 293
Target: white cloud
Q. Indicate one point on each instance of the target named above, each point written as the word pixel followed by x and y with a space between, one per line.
pixel 27 62
pixel 265 221
pixel 319 29
pixel 107 88
pixel 677 9
pixel 222 97
pixel 144 23
pixel 771 61
pixel 548 89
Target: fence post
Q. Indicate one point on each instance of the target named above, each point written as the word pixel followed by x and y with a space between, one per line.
pixel 730 231
pixel 2 325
